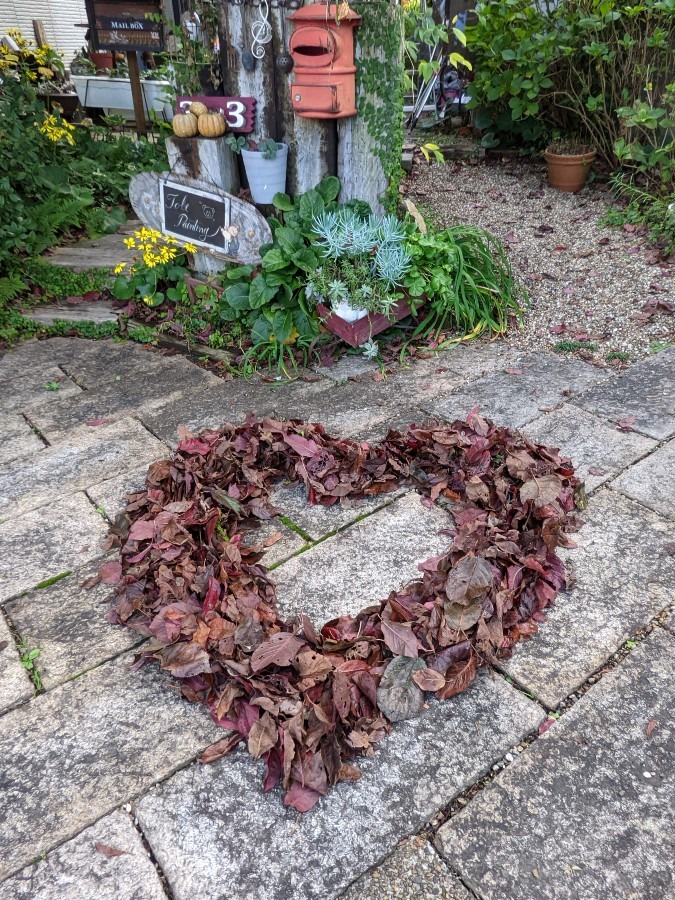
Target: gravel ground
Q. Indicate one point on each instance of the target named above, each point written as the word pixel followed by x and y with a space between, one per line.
pixel 579 274
pixel 414 870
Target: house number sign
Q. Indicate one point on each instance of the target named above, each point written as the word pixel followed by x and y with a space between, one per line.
pixel 239 112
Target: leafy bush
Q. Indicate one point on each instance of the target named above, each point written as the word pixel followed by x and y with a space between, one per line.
pixel 64 176
pixel 598 69
pixel 467 279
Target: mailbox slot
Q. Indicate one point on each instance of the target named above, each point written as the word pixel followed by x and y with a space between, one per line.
pixel 312 47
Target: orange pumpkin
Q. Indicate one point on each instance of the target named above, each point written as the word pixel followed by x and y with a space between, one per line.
pixel 198 108
pixel 212 125
pixel 185 125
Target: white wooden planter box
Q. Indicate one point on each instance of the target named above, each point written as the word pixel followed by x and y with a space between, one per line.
pixel 113 95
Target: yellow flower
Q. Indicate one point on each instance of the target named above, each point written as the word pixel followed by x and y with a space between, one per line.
pixel 120 267
pixel 190 248
pixel 130 243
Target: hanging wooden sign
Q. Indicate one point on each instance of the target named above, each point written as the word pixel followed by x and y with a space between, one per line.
pixel 239 112
pixel 199 213
pixel 123 25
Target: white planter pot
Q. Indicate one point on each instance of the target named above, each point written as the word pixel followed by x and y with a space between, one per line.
pixel 113 95
pixel 266 177
pixel 346 312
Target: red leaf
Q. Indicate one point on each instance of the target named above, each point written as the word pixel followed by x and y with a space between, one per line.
pixel 110 852
pixel 301 798
pixel 110 572
pixel 400 638
pixel 428 679
pixel 651 726
pixel 458 678
pixel 220 748
pixel 513 371
pixel 301 445
pixel 626 424
pixel 545 725
pixel 184 659
pixel 278 650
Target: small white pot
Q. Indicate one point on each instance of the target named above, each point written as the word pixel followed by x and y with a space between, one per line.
pixel 346 312
pixel 266 177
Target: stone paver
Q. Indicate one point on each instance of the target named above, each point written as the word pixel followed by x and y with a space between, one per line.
pixel 536 384
pixel 115 399
pixel 31 357
pixel 78 871
pixel 30 388
pixel 75 753
pixel 68 623
pixel 317 521
pixel 646 391
pixel 17 438
pixel 212 826
pixel 414 871
pixel 48 541
pixel 349 367
pixel 624 577
pixel 363 564
pixel 228 401
pixel 84 459
pixel 590 442
pixel 587 811
pixel 15 685
pixel 110 495
pixel 652 481
pixel 104 365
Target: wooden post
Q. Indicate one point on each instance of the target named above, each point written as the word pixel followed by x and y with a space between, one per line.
pixel 136 92
pixel 40 33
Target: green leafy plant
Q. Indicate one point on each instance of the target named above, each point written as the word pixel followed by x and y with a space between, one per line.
pixel 466 279
pixel 29 663
pixel 598 68
pixel 362 260
pixel 156 273
pixel 570 346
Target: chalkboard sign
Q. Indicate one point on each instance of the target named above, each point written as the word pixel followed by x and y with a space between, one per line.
pixel 124 25
pixel 197 217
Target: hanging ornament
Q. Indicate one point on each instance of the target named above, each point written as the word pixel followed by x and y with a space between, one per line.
pixel 284 59
pixel 248 60
pixel 261 31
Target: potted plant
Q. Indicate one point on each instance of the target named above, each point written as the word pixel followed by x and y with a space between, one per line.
pixel 265 164
pixel 569 162
pixel 363 262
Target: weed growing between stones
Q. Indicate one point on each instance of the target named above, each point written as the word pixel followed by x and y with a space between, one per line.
pixel 309 701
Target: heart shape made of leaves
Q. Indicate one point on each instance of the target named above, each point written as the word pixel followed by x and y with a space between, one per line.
pixel 310 702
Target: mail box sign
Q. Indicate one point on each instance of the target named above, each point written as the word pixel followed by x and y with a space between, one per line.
pixel 323 63
pixel 125 24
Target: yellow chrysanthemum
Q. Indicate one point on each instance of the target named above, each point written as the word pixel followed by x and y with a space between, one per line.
pixel 190 248
pixel 120 267
pixel 130 243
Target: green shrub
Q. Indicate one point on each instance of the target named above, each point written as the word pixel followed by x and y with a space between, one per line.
pixel 597 69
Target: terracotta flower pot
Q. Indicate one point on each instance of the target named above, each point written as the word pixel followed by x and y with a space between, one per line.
pixel 102 59
pixel 568 172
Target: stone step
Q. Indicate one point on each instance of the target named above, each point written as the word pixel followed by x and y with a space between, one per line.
pixel 105 862
pixel 587 812
pixel 15 683
pixel 18 438
pixel 75 753
pixel 96 311
pixel 41 387
pixel 364 563
pixel 646 391
pixel 536 383
pixel 652 481
pixel 48 541
pixel 624 577
pixel 211 826
pixel 88 456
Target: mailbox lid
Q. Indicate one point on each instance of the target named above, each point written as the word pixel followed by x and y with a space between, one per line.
pixel 317 98
pixel 312 46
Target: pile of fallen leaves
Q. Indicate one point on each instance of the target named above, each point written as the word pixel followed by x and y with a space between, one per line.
pixel 309 700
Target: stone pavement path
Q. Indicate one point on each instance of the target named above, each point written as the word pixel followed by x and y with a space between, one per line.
pixel 552 778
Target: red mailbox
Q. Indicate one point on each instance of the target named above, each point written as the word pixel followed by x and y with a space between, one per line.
pixel 323 62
